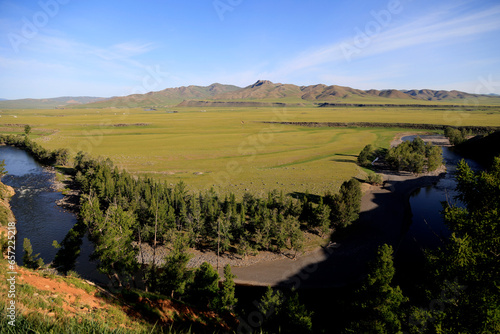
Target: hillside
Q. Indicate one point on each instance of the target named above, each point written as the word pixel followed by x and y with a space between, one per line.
pixel 166 97
pixel 46 302
pixel 57 102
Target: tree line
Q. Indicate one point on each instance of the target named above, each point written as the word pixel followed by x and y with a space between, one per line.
pixel 41 154
pixel 116 206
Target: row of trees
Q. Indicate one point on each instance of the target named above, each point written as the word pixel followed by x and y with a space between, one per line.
pixel 41 154
pixel 148 211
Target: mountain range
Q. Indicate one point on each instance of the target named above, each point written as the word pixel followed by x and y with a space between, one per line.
pixel 261 92
pixel 64 101
pixel 264 90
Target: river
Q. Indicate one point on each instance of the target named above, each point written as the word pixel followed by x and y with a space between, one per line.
pixel 38 217
pixel 427 229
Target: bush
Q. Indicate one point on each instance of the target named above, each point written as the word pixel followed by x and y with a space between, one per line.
pixel 375 179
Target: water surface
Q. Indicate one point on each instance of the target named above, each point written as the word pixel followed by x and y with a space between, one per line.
pixel 38 217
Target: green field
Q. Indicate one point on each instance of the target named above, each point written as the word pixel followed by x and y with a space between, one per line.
pixel 230 148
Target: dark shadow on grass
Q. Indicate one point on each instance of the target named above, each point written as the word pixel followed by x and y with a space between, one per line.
pixel 343 160
pixel 346 155
pixel 310 197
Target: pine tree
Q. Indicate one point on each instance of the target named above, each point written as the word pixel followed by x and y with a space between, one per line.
pixel 226 295
pixel 27 130
pixel 113 244
pixel 284 313
pixel 347 203
pixel 175 277
pixel 205 285
pixel 322 213
pixel 378 303
pixel 295 235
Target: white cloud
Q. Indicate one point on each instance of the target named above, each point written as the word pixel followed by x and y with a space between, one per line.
pixel 435 27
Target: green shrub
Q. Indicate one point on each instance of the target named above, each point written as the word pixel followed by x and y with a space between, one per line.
pixel 375 179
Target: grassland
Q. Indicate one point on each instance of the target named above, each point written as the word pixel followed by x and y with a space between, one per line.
pixel 230 148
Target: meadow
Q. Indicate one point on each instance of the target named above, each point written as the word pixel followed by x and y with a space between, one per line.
pixel 231 149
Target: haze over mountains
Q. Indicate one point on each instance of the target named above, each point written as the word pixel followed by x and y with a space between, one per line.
pixel 262 91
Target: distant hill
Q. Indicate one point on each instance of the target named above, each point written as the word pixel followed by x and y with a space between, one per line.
pixel 65 101
pixel 3 99
pixel 166 97
pixel 267 90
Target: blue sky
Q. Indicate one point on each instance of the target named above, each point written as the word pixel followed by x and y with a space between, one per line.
pixel 52 48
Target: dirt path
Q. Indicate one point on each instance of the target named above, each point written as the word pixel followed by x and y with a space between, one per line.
pixel 384 218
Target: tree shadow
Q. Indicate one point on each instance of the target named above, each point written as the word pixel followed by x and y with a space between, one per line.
pixel 65 170
pixel 347 155
pixel 345 160
pixel 65 259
